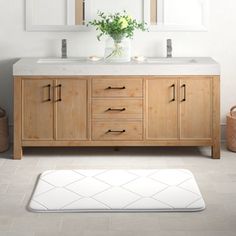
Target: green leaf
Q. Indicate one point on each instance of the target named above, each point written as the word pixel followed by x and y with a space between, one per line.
pixel 111 25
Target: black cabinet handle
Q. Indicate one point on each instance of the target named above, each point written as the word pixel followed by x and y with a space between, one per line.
pixel 49 93
pixel 116 87
pixel 174 95
pixel 185 92
pixel 116 131
pixel 60 93
pixel 113 109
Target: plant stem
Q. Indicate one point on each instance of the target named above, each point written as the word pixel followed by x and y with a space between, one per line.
pixel 117 50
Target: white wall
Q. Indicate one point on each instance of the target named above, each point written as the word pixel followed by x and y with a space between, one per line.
pixel 219 42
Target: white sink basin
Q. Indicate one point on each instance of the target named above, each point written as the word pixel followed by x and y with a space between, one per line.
pixel 61 60
pixel 171 60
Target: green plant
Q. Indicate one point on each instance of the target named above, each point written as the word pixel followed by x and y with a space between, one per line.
pixel 117 25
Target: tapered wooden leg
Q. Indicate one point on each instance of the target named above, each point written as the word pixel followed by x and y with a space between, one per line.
pixel 17 149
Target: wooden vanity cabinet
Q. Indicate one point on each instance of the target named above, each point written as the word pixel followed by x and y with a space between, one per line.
pixel 179 109
pixel 71 109
pixel 195 108
pixel 54 109
pixel 162 109
pixel 37 109
pixel 117 111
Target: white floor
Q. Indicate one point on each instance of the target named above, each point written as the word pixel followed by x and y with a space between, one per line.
pixel 216 179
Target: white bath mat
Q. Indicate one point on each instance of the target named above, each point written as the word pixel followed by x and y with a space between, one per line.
pixel 116 190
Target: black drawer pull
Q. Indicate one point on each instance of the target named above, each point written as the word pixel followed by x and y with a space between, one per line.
pixel 49 93
pixel 185 92
pixel 113 109
pixel 116 131
pixel 173 86
pixel 60 93
pixel 116 87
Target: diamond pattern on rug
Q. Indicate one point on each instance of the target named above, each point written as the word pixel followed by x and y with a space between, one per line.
pixel 116 190
pixel 149 203
pixel 116 177
pixel 56 198
pixel 81 187
pixel 176 197
pixel 145 187
pixel 45 187
pixel 173 177
pixel 86 204
pixel 61 178
pixel 117 196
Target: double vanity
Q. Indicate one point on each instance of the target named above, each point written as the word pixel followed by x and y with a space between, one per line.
pixel 77 102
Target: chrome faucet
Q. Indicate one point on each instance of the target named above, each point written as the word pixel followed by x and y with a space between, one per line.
pixel 169 48
pixel 64 48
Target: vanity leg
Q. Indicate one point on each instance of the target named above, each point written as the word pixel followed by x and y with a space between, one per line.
pixel 17 148
pixel 215 151
pixel 216 118
pixel 17 153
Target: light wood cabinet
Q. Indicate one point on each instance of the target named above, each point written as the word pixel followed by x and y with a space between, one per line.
pixel 117 87
pixel 117 130
pixel 162 109
pixel 37 107
pixel 71 109
pixel 195 108
pixel 54 109
pixel 117 111
pixel 117 108
pixel 179 109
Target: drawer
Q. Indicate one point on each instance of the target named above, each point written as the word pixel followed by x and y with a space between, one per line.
pixel 117 87
pixel 117 108
pixel 117 130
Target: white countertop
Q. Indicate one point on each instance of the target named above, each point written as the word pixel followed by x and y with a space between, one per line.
pixel 178 66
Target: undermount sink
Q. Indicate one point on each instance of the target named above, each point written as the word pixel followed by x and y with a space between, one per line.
pixel 171 60
pixel 61 60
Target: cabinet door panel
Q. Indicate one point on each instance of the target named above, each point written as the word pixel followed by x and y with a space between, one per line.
pixel 162 109
pixel 71 111
pixel 37 109
pixel 196 109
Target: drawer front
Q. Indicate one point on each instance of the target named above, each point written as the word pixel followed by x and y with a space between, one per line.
pixel 117 87
pixel 117 131
pixel 117 108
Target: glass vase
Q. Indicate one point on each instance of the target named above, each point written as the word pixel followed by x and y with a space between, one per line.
pixel 117 50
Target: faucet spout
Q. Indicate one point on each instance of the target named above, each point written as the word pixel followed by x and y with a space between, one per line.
pixel 64 48
pixel 169 48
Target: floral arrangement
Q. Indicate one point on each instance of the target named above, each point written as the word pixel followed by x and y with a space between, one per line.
pixel 117 26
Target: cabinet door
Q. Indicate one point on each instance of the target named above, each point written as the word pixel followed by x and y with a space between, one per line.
pixel 37 113
pixel 71 109
pixel 161 109
pixel 195 108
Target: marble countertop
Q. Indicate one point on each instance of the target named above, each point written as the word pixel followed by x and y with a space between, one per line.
pixel 178 66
